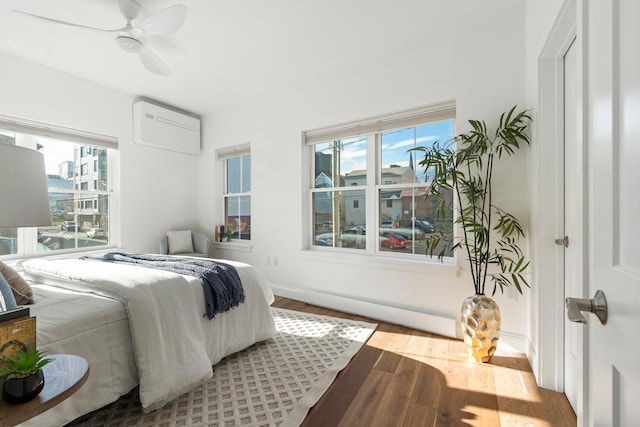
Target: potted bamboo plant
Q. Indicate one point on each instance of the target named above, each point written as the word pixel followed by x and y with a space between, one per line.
pixel 461 174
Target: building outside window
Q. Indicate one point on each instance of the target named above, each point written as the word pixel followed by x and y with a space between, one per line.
pixel 76 205
pixel 237 191
pixel 368 193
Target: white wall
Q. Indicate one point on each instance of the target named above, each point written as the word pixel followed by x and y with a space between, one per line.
pixel 156 188
pixel 475 57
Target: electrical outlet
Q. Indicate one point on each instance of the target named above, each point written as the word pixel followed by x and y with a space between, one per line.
pixel 275 261
pixel 512 293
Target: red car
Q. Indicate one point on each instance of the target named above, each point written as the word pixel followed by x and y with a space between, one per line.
pixel 393 241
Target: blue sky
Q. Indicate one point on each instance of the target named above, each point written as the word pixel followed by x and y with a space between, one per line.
pixel 394 146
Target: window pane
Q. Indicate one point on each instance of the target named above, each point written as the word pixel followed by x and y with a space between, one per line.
pixel 80 221
pixel 339 219
pixel 233 175
pixel 238 216
pixel 396 143
pixel 341 163
pixel 397 164
pixel 8 241
pixel 408 213
pixel 398 232
pixel 323 211
pixel 238 175
pixel 246 173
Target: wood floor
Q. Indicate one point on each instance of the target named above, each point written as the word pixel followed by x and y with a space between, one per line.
pixel 405 377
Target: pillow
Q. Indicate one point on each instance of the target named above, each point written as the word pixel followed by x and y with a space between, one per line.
pixel 7 294
pixel 21 290
pixel 179 241
pixel 3 306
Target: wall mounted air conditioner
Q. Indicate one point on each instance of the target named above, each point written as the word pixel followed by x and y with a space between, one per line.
pixel 160 127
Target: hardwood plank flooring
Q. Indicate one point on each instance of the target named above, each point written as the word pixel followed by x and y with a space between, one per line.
pixel 406 377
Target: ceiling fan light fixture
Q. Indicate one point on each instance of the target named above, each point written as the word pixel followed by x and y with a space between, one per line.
pixel 129 44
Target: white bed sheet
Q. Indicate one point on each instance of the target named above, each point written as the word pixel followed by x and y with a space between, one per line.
pixel 97 329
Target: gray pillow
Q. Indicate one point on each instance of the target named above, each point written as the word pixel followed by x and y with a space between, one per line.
pixel 7 294
pixel 179 242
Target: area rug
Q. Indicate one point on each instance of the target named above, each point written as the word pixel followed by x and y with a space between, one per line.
pixel 272 383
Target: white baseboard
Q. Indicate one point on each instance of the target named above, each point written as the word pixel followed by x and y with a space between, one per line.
pixel 406 316
pixel 532 355
pixel 512 342
pixel 373 309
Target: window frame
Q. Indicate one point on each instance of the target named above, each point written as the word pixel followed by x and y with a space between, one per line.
pixel 372 128
pixel 27 237
pixel 224 155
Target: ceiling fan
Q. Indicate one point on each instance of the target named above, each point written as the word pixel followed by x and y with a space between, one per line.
pixel 133 38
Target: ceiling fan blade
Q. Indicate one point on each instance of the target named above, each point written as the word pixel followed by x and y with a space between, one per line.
pixel 153 63
pixel 68 24
pixel 165 21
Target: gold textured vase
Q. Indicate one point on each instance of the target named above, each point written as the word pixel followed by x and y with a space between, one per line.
pixel 481 326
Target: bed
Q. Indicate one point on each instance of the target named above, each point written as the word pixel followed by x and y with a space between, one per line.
pixel 79 311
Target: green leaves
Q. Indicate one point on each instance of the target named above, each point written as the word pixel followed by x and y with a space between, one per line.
pixel 511 132
pixel 23 364
pixel 507 225
pixel 465 165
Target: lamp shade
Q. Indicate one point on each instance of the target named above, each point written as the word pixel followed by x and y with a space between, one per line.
pixel 24 198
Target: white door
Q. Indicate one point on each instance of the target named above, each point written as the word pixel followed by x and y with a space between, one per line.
pixel 573 227
pixel 612 35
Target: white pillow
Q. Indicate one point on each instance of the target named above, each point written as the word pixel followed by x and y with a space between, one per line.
pixel 179 241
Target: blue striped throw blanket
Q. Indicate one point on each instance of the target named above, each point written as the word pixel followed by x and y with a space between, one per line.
pixel 221 283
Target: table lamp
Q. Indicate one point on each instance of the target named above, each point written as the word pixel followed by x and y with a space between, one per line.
pixel 24 197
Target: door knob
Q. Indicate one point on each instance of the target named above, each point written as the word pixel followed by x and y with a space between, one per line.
pixel 597 305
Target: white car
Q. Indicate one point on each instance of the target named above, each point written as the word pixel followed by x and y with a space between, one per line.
pixel 96 233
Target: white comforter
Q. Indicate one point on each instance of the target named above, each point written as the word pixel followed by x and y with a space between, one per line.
pixel 173 350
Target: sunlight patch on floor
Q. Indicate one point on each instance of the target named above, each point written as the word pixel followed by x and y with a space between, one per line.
pixel 312 329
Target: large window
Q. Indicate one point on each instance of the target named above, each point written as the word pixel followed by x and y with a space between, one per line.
pixel 237 191
pixel 368 192
pixel 80 196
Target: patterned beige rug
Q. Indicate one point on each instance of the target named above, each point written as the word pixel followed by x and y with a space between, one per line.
pixel 272 383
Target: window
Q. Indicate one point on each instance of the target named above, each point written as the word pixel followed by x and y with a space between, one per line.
pixel 74 207
pixel 368 193
pixel 237 191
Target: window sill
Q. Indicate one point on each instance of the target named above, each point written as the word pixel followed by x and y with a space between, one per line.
pixel 233 246
pixel 424 266
pixel 60 254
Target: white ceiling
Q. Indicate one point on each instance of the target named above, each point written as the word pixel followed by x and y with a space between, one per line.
pixel 226 53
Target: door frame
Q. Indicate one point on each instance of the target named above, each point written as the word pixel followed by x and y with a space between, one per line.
pixel 548 309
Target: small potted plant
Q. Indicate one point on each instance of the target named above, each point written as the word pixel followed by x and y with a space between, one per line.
pixel 226 236
pixel 23 376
